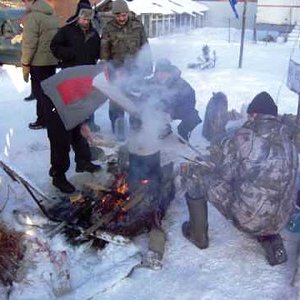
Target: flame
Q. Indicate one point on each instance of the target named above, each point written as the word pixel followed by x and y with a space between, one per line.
pixel 116 196
pixel 122 186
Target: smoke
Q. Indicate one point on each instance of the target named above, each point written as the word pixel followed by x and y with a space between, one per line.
pixel 133 86
pixel 145 140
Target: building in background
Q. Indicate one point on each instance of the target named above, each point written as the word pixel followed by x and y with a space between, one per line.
pixel 161 17
pixel 220 14
pixel 278 17
pixel 64 9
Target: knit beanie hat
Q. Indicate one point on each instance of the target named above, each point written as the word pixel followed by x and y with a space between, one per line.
pixel 263 103
pixel 119 6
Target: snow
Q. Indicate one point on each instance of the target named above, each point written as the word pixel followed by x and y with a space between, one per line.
pixel 233 267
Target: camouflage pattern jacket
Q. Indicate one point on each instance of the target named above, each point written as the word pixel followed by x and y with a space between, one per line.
pixel 122 45
pixel 254 183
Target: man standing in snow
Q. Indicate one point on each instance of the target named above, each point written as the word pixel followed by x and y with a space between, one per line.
pixel 78 43
pixel 253 182
pixel 74 44
pixel 125 48
pixel 40 25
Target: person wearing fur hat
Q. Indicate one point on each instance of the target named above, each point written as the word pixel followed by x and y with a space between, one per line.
pixel 252 181
pixel 77 43
pixel 87 52
pixel 125 48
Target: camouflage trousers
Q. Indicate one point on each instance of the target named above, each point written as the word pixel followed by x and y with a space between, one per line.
pixel 208 185
pixel 202 183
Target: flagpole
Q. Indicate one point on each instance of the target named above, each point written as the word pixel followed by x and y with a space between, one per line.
pixel 243 34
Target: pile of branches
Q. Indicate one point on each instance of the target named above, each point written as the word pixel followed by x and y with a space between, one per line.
pixel 11 254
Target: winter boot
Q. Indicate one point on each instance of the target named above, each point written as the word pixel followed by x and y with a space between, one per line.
pixel 157 241
pixel 61 182
pixel 196 230
pixel 87 166
pixel 274 248
pixel 29 98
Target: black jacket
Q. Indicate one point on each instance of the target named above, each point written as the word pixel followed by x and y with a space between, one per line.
pixel 175 95
pixel 72 47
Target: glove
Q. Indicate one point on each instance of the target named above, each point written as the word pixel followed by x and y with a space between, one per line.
pixel 26 72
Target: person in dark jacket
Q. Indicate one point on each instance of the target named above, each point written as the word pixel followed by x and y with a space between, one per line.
pixel 176 97
pixel 78 43
pixel 252 183
pixel 74 44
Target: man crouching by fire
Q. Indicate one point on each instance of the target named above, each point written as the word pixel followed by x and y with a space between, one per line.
pixel 252 181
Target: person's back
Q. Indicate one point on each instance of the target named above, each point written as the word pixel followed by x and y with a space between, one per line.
pixel 40 26
pixel 216 117
pixel 252 181
pixel 264 180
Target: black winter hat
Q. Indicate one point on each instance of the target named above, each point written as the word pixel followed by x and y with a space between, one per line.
pixel 83 4
pixel 263 103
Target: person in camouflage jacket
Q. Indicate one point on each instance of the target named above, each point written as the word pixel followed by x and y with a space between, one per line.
pixel 125 48
pixel 253 182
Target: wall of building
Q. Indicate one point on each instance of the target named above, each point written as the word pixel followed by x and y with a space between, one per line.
pixel 220 14
pixel 64 9
pixel 278 12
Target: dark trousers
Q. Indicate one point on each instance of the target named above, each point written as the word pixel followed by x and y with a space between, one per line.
pixel 61 141
pixel 115 112
pixel 188 122
pixel 38 74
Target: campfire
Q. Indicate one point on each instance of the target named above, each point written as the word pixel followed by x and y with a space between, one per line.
pixel 139 195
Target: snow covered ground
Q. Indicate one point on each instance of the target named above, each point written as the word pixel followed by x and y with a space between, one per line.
pixel 233 267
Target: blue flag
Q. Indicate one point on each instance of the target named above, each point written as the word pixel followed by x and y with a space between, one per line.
pixel 233 4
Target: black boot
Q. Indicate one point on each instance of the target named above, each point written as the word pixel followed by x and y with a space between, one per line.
pixel 29 98
pixel 36 125
pixel 87 166
pixel 61 182
pixel 274 248
pixel 196 230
